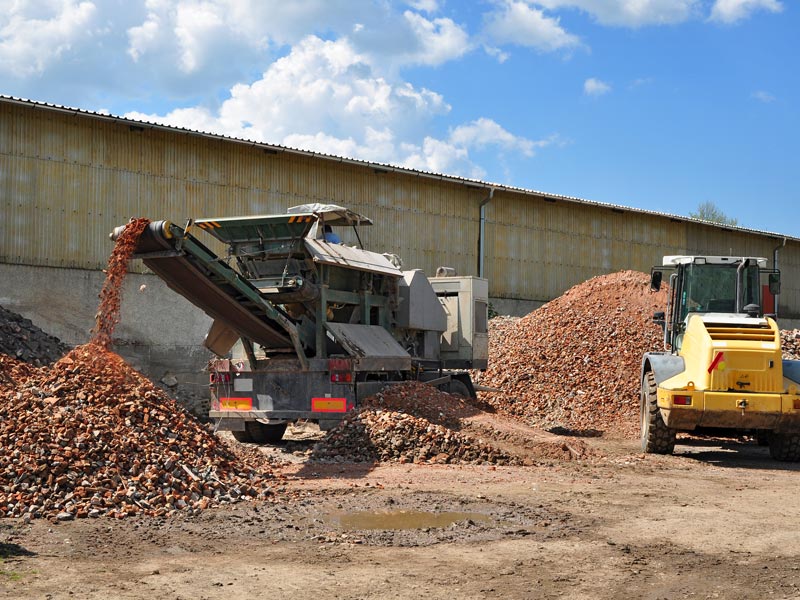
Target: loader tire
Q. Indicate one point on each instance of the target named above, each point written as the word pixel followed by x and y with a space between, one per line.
pixel 657 438
pixel 784 446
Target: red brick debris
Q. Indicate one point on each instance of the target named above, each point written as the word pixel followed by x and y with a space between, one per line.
pixel 108 314
pixel 790 344
pixel 91 436
pixel 410 422
pixel 574 363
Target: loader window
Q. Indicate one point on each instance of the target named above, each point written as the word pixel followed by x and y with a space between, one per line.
pixel 712 288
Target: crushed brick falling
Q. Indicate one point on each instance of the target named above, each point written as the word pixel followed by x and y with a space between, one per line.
pixel 108 314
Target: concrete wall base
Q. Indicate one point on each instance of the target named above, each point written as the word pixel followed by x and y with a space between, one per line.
pixel 512 307
pixel 160 333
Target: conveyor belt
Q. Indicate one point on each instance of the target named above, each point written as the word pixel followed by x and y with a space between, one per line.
pixel 197 274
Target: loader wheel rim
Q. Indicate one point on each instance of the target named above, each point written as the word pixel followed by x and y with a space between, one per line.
pixel 643 415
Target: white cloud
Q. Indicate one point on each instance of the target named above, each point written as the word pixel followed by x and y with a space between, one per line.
pixel 519 23
pixel 483 132
pixel 34 35
pixel 225 39
pixel 437 41
pixel 497 53
pixel 327 97
pixel 763 96
pixel 595 87
pixel 630 13
pixel 428 6
pixel 452 154
pixel 640 82
pixel 625 13
pixel 733 11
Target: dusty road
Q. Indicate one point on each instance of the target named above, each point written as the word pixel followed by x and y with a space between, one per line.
pixel 717 520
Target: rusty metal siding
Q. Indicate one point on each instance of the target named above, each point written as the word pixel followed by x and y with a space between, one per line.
pixel 67 179
pixel 537 248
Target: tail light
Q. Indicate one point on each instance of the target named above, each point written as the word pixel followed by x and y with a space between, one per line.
pixel 220 378
pixel 682 400
pixel 341 377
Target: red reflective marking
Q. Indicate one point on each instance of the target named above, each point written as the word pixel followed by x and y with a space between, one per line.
pixel 716 361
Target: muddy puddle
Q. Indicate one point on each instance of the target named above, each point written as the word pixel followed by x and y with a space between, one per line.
pixel 402 520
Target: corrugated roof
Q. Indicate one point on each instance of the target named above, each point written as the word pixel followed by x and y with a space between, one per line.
pixel 387 167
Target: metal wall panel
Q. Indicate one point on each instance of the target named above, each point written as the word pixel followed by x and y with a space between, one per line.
pixel 67 179
pixel 539 248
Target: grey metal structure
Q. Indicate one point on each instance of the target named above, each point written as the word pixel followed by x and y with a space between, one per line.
pixel 320 325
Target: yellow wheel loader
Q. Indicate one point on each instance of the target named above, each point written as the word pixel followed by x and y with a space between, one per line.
pixel 721 371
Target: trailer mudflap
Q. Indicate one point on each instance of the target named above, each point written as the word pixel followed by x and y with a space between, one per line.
pixel 229 424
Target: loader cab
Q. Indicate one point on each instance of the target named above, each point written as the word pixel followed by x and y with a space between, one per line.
pixel 713 286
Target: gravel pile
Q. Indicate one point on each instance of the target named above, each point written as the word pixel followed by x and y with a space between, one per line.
pixel 574 363
pixel 409 423
pixel 23 340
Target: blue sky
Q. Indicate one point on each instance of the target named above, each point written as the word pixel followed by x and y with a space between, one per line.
pixel 652 104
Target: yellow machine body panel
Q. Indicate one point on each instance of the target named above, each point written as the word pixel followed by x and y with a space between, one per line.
pixel 733 378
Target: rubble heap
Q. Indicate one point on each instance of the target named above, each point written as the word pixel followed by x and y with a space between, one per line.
pixel 574 363
pixel 23 340
pixel 409 422
pixel 790 344
pixel 91 436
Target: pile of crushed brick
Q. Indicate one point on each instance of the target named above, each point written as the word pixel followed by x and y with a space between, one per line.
pixel 90 436
pixel 574 363
pixel 790 344
pixel 21 339
pixel 409 423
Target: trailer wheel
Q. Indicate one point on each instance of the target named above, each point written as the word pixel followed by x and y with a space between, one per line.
pixel 266 434
pixel 260 433
pixel 784 446
pixel 657 438
pixel 459 388
pixel 243 436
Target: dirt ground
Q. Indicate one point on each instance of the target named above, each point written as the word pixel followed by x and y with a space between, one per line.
pixel 719 519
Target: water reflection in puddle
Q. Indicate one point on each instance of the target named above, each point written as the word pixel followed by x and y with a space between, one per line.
pixel 402 519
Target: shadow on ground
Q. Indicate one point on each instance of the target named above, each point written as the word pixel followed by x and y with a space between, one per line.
pixel 731 453
pixel 12 550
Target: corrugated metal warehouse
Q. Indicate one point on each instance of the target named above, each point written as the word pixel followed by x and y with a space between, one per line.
pixel 68 177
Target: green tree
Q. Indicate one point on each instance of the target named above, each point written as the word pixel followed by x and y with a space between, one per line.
pixel 708 211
